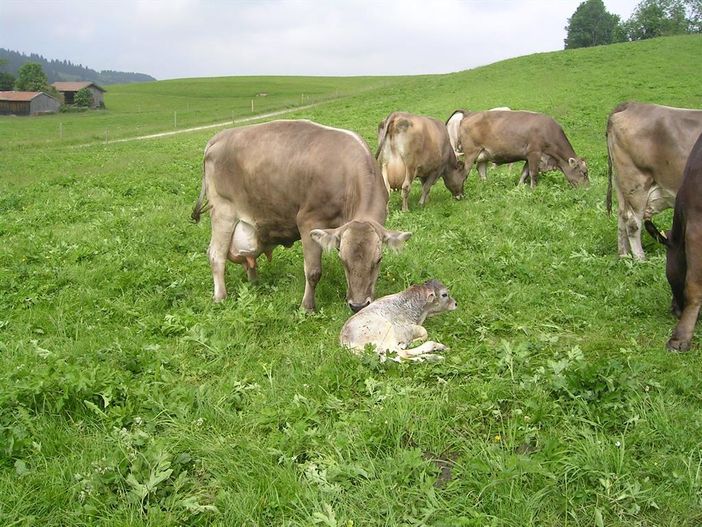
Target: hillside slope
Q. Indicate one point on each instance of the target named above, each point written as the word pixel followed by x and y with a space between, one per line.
pixel 127 397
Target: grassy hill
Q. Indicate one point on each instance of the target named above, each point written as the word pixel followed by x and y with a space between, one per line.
pixel 128 398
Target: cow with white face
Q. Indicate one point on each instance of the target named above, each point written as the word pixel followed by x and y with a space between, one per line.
pixel 274 183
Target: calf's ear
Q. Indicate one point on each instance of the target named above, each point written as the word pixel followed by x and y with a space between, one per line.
pixel 572 162
pixel 396 239
pixel 657 235
pixel 328 239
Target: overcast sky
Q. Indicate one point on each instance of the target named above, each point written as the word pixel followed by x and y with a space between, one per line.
pixel 205 38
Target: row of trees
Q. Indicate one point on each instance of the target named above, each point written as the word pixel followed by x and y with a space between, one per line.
pixel 31 77
pixel 593 25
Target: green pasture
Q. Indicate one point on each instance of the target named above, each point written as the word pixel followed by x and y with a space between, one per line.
pixel 128 398
pixel 146 108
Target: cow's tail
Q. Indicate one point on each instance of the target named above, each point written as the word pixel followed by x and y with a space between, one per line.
pixel 619 108
pixel 608 201
pixel 383 134
pixel 201 206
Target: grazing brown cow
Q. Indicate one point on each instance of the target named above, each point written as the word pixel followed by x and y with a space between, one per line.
pixel 393 322
pixel 684 251
pixel 414 146
pixel 509 136
pixel 274 183
pixel 647 148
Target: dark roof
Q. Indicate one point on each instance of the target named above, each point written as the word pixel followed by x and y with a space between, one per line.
pixel 75 86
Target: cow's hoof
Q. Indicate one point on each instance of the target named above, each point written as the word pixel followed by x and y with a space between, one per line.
pixel 219 299
pixel 678 346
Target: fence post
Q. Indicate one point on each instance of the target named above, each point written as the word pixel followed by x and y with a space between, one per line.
pixel 252 106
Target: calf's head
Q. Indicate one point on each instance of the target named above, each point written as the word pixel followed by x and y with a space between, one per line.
pixel 675 265
pixel 438 298
pixel 454 178
pixel 576 172
pixel 360 247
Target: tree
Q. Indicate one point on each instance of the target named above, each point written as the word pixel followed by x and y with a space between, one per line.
pixel 7 80
pixel 658 18
pixel 83 98
pixel 591 25
pixel 30 77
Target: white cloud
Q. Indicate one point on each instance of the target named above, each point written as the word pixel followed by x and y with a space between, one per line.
pixel 187 38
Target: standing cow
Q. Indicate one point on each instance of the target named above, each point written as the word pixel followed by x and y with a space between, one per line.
pixel 684 251
pixel 414 146
pixel 647 147
pixel 296 180
pixel 509 136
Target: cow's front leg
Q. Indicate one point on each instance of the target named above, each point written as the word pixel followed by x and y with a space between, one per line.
pixel 222 230
pixel 312 254
pixel 682 335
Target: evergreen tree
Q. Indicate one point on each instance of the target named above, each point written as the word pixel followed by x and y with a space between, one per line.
pixel 591 25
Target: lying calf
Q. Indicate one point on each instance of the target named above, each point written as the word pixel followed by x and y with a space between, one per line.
pixel 393 322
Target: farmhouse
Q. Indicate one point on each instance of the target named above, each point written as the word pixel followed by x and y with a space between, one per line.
pixel 27 103
pixel 68 91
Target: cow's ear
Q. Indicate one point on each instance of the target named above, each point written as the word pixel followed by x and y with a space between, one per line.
pixel 431 295
pixel 328 239
pixel 657 235
pixel 572 162
pixel 396 239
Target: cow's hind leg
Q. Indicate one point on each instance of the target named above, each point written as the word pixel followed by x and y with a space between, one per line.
pixel 533 166
pixel 410 173
pixel 632 219
pixel 222 229
pixel 525 173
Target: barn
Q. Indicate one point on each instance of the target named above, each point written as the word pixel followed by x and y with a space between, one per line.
pixel 27 103
pixel 68 91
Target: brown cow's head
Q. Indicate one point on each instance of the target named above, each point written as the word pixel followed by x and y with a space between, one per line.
pixel 576 172
pixel 454 178
pixel 360 246
pixel 675 266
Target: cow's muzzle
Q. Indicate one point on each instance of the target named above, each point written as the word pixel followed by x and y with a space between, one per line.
pixel 357 307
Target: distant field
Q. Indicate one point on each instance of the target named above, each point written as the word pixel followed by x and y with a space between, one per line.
pixel 139 109
pixel 128 398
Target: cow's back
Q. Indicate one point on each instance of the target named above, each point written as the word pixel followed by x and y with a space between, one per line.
pixel 506 133
pixel 272 173
pixel 652 140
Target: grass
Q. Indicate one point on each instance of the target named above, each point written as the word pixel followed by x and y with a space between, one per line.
pixel 128 398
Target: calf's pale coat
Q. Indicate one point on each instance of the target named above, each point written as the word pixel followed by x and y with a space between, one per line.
pixel 274 183
pixel 393 322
